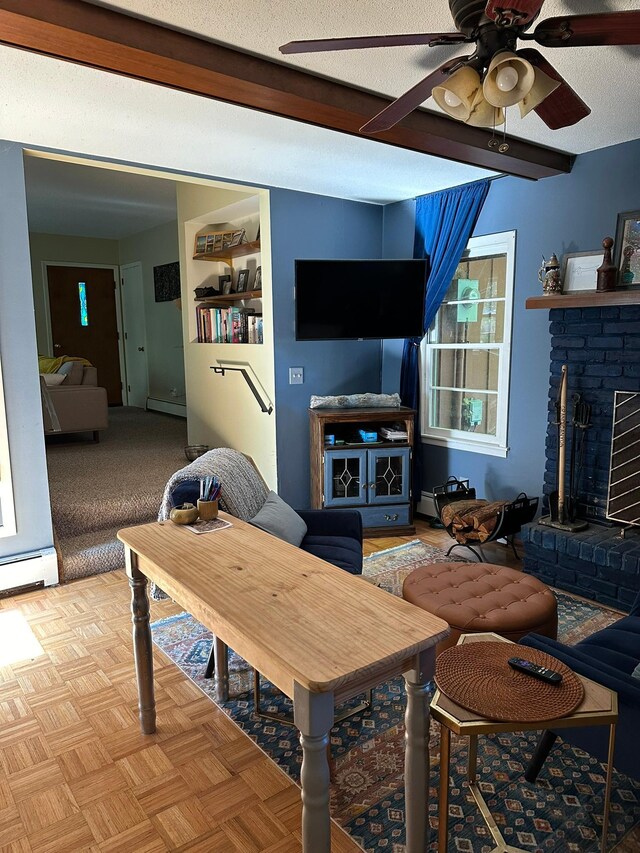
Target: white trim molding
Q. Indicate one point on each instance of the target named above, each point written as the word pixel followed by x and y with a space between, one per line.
pixel 487 246
pixel 7 506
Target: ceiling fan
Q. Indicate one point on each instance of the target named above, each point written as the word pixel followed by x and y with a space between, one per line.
pixel 476 89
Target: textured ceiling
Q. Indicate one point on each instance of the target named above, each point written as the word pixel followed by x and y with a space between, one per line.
pixel 606 78
pixel 59 105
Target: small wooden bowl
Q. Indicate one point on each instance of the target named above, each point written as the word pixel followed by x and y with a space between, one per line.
pixel 184 514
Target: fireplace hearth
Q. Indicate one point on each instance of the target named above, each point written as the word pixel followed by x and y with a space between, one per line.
pixel 601 346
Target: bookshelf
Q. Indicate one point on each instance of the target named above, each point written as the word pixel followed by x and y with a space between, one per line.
pixel 227 256
pixel 230 318
pixel 230 297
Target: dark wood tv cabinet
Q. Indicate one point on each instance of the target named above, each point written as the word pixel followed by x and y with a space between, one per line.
pixel 373 477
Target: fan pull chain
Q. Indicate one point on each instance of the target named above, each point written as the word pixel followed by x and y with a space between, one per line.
pixel 504 145
pixel 493 142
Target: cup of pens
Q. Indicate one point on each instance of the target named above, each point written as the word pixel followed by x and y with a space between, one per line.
pixel 208 500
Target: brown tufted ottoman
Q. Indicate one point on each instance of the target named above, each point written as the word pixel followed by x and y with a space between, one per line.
pixel 478 597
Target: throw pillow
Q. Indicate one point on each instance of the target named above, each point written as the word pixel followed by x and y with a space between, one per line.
pixel 73 370
pixel 53 378
pixel 278 518
pixel 636 672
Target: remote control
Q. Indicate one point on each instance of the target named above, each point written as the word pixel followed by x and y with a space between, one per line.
pixel 541 672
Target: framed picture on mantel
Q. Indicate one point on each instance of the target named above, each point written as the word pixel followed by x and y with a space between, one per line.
pixel 580 271
pixel 627 249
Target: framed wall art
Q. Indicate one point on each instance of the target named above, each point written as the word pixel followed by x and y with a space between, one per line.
pixel 166 282
pixel 580 270
pixel 627 249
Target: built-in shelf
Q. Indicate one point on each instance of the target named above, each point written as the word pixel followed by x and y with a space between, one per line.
pixel 230 297
pixel 585 299
pixel 227 255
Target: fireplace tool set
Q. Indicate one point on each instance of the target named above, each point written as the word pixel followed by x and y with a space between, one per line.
pixel 563 506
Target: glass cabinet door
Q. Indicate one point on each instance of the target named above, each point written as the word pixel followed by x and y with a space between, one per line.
pixel 345 477
pixel 389 475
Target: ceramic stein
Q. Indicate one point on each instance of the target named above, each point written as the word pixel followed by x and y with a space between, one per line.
pixel 549 275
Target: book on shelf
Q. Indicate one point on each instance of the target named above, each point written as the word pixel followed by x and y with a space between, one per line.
pixel 228 325
pixel 393 434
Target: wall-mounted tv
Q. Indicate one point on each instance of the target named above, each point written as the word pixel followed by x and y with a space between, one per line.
pixel 352 300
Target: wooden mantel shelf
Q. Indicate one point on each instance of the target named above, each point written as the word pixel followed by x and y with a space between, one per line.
pixel 585 299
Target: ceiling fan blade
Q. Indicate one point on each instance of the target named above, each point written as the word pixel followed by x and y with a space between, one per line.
pixel 589 30
pixel 563 107
pixel 406 103
pixel 517 12
pixel 359 42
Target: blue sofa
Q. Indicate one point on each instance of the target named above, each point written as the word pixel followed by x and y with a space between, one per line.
pixel 608 657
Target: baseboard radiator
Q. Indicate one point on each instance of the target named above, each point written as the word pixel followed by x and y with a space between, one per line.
pixel 28 570
pixel 155 405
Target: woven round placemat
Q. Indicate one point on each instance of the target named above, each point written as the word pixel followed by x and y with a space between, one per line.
pixel 478 677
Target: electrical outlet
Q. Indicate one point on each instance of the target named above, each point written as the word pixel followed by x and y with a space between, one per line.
pixel 296 375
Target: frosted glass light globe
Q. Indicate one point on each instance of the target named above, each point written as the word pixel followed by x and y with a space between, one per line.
pixel 451 99
pixel 507 78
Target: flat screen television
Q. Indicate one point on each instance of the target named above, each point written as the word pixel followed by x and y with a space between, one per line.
pixel 354 300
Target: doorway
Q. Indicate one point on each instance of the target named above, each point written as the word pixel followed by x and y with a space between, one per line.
pixel 84 320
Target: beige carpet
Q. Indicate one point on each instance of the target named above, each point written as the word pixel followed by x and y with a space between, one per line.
pixel 98 488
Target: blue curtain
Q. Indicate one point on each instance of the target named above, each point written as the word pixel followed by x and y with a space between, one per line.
pixel 444 223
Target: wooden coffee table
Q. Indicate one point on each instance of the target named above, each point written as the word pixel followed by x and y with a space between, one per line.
pixel 598 708
pixel 318 633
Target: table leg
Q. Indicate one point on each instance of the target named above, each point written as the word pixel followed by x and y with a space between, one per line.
pixel 142 646
pixel 607 790
pixel 221 672
pixel 313 715
pixel 473 758
pixel 416 755
pixel 443 799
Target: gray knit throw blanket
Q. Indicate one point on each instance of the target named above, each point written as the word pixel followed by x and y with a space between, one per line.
pixel 243 491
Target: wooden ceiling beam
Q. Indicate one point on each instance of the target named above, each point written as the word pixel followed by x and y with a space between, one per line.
pixel 98 37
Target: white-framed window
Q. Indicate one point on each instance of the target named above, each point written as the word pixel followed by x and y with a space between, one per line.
pixel 7 511
pixel 466 353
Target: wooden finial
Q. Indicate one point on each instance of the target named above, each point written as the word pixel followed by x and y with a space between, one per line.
pixel 607 272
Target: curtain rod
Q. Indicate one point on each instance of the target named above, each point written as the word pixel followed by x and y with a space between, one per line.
pixel 461 186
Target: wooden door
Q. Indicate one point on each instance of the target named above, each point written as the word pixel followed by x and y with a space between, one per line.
pixel 88 330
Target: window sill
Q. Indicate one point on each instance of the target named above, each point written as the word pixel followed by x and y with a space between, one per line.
pixel 470 446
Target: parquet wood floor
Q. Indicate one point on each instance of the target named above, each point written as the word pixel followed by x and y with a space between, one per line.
pixel 77 775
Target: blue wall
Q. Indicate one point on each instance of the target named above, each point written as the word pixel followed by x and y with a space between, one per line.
pixel 568 213
pixel 312 226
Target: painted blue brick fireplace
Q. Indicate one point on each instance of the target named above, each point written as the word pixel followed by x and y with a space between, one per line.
pixel 601 347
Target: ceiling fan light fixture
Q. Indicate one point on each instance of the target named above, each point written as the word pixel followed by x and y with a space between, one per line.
pixel 508 80
pixel 484 114
pixel 457 94
pixel 541 89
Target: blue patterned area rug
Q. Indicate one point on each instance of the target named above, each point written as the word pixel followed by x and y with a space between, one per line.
pixel 562 812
